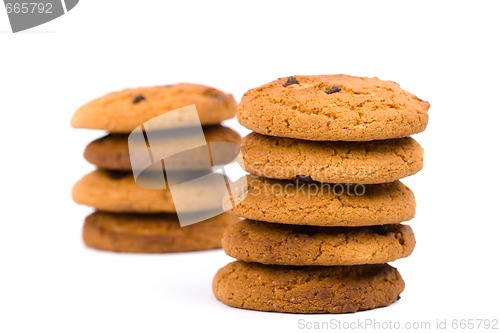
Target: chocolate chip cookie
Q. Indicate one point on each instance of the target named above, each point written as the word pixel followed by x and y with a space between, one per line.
pixel 280 244
pixel 307 289
pixel 123 111
pixel 112 151
pixel 333 108
pixel 317 204
pixel 152 233
pixel 331 162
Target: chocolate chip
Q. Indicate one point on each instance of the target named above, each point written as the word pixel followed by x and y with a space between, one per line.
pixel 116 174
pixel 302 178
pixel 305 230
pixel 291 80
pixel 138 99
pixel 328 123
pixel 333 90
pixel 381 229
pixel 215 95
pixel 398 298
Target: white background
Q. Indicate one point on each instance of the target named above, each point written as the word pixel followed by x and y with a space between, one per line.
pixel 445 52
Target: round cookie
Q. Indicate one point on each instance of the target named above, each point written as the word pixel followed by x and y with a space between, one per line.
pixel 280 244
pixel 371 162
pixel 333 108
pixel 152 233
pixel 123 111
pixel 111 151
pixel 308 289
pixel 316 204
pixel 116 191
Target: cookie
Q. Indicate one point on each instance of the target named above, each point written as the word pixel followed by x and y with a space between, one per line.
pixel 316 204
pixel 280 244
pixel 308 289
pixel 116 191
pixel 331 162
pixel 152 233
pixel 123 111
pixel 112 152
pixel 333 108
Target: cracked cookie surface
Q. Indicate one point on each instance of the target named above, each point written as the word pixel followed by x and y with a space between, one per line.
pixel 371 162
pixel 123 111
pixel 307 289
pixel 333 108
pixel 152 233
pixel 279 244
pixel 316 204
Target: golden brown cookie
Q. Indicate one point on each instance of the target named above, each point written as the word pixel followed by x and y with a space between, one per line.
pixel 123 111
pixel 316 204
pixel 116 191
pixel 281 244
pixel 309 289
pixel 333 108
pixel 112 152
pixel 371 162
pixel 152 233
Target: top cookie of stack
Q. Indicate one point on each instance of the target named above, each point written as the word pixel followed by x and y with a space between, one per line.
pixel 333 108
pixel 123 111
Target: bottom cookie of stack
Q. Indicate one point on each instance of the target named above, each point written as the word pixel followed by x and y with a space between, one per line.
pixel 152 233
pixel 307 289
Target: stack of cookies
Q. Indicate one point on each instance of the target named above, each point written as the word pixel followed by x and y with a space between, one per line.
pixel 130 218
pixel 324 203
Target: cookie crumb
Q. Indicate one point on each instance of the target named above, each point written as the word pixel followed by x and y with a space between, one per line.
pixel 291 80
pixel 333 90
pixel 137 99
